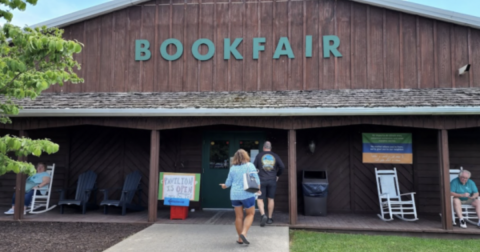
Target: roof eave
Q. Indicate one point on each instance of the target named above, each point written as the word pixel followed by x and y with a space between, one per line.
pixel 222 112
pixel 89 13
pixel 426 11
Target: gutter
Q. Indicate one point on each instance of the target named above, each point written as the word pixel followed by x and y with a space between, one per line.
pixel 426 11
pixel 89 13
pixel 243 112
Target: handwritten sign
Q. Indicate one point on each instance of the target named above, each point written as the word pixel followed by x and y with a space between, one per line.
pixel 179 186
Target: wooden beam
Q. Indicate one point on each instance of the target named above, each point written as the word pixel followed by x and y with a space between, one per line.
pixel 20 187
pixel 153 181
pixel 292 176
pixel 444 164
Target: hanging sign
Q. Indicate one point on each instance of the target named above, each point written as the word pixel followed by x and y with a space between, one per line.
pixel 179 186
pixel 387 148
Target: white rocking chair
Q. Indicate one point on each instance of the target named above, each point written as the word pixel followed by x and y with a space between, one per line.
pixel 390 199
pixel 468 211
pixel 43 201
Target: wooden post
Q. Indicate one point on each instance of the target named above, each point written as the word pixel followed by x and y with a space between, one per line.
pixel 444 164
pixel 292 176
pixel 153 181
pixel 20 188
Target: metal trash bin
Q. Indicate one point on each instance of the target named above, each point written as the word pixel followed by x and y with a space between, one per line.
pixel 315 190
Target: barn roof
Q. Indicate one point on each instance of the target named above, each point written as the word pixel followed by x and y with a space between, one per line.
pixel 402 6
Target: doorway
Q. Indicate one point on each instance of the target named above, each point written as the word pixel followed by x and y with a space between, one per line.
pixel 217 150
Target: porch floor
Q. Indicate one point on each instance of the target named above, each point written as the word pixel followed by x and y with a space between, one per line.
pixel 342 222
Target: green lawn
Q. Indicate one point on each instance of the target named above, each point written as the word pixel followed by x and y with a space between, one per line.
pixel 316 241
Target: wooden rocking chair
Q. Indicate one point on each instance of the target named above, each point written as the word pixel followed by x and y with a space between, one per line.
pixel 468 211
pixel 43 201
pixel 390 199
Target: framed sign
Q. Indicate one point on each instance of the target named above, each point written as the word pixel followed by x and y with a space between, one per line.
pixel 179 186
pixel 387 148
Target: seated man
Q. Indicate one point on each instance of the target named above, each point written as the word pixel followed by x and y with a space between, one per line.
pixel 464 192
pixel 38 181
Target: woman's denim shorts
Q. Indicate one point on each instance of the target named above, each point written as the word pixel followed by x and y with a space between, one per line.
pixel 246 203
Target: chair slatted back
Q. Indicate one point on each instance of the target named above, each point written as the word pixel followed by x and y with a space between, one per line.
pixel 387 182
pixel 454 173
pixel 51 172
pixel 132 181
pixel 86 181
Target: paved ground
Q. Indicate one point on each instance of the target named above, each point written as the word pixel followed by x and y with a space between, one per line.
pixel 174 237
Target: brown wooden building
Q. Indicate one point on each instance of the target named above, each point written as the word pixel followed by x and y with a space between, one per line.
pixel 395 69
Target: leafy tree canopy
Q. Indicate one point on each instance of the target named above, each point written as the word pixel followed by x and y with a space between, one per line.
pixel 31 60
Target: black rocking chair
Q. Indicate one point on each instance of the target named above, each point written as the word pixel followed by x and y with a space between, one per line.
pixel 130 187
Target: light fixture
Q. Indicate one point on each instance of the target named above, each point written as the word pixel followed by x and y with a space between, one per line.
pixel 464 69
pixel 311 146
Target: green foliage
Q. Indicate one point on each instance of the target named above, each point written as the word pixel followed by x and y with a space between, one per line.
pixel 31 60
pixel 12 5
pixel 316 241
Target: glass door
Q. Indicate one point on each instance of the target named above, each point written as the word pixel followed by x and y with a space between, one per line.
pixel 218 149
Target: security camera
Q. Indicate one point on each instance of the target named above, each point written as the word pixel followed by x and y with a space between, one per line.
pixel 464 69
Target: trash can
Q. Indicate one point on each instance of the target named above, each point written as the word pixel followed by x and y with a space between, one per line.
pixel 315 190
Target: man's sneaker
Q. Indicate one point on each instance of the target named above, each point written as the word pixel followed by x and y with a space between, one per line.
pixel 463 224
pixel 269 221
pixel 10 211
pixel 263 220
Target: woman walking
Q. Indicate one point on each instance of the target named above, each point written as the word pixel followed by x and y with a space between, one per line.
pixel 240 198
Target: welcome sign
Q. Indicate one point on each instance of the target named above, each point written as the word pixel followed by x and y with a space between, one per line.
pixel 179 186
pixel 391 148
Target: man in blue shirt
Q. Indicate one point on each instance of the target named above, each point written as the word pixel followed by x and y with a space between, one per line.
pixel 464 192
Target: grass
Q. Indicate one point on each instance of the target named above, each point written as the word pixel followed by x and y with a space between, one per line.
pixel 315 241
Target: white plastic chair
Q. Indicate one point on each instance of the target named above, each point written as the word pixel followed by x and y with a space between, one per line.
pixel 40 201
pixel 390 199
pixel 468 211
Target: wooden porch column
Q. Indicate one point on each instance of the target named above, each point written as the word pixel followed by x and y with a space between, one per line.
pixel 444 163
pixel 153 181
pixel 292 176
pixel 20 187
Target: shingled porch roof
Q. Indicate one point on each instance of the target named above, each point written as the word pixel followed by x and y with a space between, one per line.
pixel 459 99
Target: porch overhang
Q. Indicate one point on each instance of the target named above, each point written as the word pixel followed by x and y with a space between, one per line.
pixel 247 112
pixel 347 102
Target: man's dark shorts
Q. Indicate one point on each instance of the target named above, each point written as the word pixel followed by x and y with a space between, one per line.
pixel 268 189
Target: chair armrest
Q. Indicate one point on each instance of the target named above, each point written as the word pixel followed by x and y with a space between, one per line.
pixel 410 193
pixel 105 193
pixel 134 190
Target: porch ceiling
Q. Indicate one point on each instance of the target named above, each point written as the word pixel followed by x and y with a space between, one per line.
pixel 275 103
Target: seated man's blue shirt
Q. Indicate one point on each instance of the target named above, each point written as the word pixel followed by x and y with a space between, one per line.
pixel 457 187
pixel 35 180
pixel 235 180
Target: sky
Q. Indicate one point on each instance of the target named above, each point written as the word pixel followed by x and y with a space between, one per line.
pixel 48 9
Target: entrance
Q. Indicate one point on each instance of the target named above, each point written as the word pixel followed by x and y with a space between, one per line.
pixel 217 151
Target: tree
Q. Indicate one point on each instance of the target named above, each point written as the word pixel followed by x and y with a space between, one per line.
pixel 31 60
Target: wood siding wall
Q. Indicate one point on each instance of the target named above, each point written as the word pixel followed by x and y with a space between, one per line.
pixel 381 48
pixel 352 185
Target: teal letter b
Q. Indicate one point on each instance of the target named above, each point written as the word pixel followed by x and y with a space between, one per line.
pixel 139 50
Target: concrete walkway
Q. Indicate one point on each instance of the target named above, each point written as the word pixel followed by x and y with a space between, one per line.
pixel 182 237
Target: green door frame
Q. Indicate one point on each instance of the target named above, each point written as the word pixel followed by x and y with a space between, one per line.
pixel 212 196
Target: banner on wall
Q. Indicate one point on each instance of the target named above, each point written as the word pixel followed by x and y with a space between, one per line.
pixel 387 148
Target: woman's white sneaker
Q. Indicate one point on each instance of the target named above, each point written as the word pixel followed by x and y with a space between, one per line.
pixel 10 211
